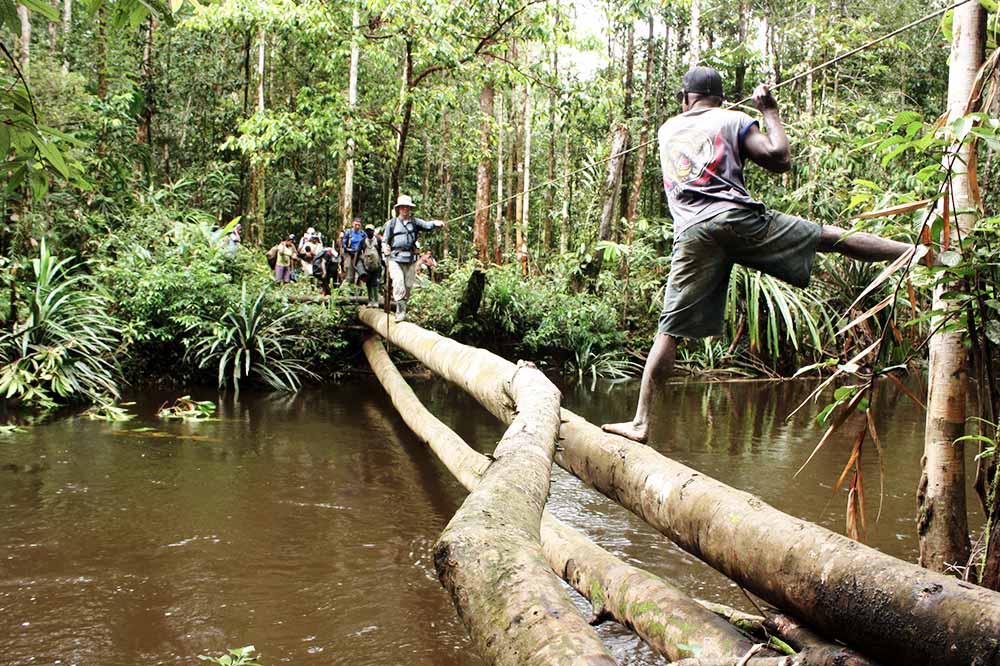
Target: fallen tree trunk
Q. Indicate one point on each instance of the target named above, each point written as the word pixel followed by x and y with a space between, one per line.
pixel 792 634
pixel 489 557
pixel 808 657
pixel 663 616
pixel 878 604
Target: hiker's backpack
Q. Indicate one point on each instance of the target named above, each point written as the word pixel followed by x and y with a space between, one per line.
pixel 369 256
pixel 318 263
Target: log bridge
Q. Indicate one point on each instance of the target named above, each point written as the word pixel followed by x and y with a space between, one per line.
pixel 835 602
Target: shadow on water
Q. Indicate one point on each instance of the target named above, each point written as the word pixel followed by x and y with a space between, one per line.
pixel 305 523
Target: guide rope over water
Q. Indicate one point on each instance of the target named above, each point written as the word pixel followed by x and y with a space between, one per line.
pixel 832 61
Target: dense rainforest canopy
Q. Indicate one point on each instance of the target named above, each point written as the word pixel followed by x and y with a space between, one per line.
pixel 137 134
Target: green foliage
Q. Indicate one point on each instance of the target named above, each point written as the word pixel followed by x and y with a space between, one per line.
pixel 540 317
pixel 252 341
pixel 63 349
pixel 243 656
pixel 160 271
pixel 109 411
pixel 186 409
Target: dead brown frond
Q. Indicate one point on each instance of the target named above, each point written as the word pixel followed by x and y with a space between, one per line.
pixel 837 422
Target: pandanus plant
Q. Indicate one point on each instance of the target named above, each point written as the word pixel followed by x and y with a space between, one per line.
pixel 63 350
pixel 252 342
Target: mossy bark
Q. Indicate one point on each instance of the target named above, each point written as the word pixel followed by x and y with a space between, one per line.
pixel 878 604
pixel 489 557
pixel 669 621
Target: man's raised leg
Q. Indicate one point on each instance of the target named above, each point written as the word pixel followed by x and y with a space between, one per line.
pixel 659 365
pixel 860 245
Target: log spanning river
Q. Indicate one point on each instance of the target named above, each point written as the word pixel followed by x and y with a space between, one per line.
pixel 304 524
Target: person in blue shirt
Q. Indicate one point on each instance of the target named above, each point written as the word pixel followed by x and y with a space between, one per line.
pixel 400 246
pixel 353 241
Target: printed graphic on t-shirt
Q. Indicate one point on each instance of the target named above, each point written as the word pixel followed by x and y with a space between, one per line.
pixel 691 157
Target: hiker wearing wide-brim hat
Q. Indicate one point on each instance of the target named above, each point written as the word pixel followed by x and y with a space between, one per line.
pixel 399 245
pixel 403 200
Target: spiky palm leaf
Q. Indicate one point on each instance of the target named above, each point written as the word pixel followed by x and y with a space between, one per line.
pixel 64 349
pixel 251 341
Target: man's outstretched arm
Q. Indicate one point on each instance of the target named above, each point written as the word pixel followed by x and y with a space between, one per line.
pixel 769 150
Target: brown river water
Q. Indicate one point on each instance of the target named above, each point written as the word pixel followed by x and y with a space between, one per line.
pixel 304 524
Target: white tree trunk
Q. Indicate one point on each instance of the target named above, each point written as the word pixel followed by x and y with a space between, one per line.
pixel 67 25
pixel 694 52
pixel 25 42
pixel 941 520
pixel 347 199
pixel 498 218
pixel 526 197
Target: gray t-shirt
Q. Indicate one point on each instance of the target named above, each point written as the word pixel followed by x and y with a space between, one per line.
pixel 703 165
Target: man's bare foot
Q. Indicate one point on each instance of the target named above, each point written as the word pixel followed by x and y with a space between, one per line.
pixel 629 430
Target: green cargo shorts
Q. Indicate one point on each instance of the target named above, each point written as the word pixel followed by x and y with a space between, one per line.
pixel 780 245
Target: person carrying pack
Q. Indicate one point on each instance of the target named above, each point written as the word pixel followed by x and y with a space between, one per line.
pixel 371 261
pixel 353 241
pixel 326 269
pixel 400 244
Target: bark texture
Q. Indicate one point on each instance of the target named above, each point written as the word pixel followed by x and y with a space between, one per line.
pixel 664 617
pixel 489 557
pixel 484 176
pixel 347 199
pixel 941 512
pixel 880 605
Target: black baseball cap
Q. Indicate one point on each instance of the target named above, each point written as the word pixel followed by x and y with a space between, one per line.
pixel 702 81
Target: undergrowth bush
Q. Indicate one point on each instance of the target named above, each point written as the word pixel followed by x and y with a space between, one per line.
pixel 62 347
pixel 537 317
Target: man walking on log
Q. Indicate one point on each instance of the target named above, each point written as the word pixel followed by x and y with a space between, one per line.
pixel 717 223
pixel 400 245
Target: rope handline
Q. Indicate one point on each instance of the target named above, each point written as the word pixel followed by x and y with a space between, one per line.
pixel 729 105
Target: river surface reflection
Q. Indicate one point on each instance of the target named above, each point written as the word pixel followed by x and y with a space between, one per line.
pixel 304 525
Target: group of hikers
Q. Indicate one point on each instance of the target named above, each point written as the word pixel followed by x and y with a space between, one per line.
pixel 359 256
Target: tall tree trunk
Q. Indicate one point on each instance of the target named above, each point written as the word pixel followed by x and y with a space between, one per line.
pixel 739 79
pixel 67 26
pixel 347 199
pixel 24 43
pixel 610 190
pixel 446 234
pixel 484 174
pixel 941 519
pixel 519 200
pixel 257 192
pixel 694 34
pixel 626 180
pixel 525 217
pixel 144 131
pixel 404 125
pixel 550 171
pixel 640 159
pixel 425 200
pixel 53 39
pixel 498 215
pixel 514 171
pixel 567 196
pixel 102 53
pixel 811 37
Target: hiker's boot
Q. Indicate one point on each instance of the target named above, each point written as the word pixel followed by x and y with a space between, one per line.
pixel 400 310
